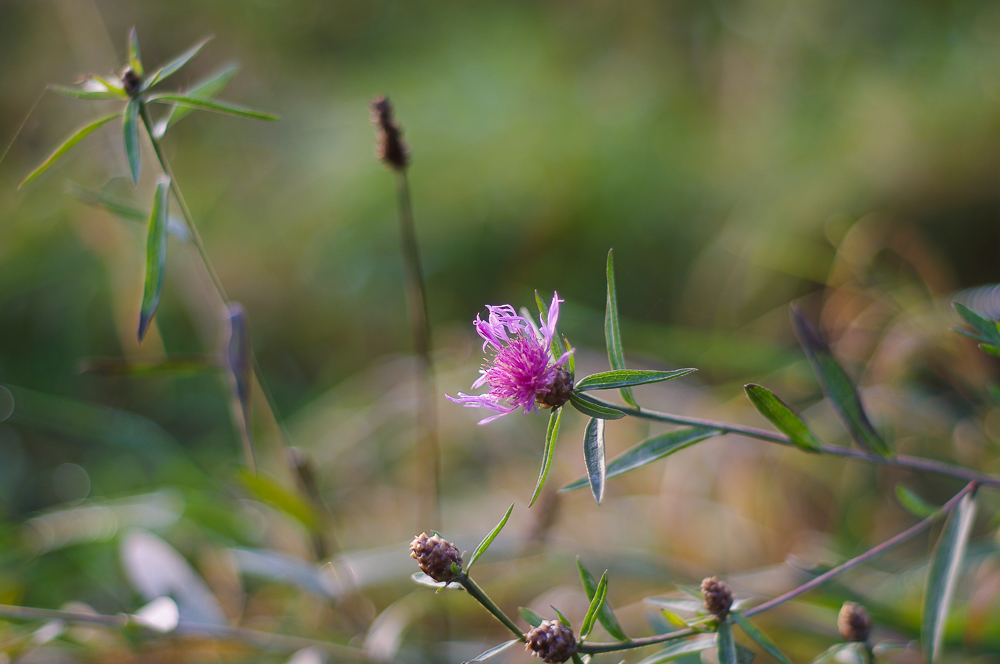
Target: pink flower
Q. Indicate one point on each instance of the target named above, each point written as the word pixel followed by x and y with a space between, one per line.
pixel 523 371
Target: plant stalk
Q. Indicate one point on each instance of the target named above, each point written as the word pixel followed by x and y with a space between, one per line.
pixel 473 589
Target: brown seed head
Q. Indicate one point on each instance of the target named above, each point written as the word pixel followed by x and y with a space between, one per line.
pixel 389 146
pixel 854 622
pixel 559 391
pixel 434 556
pixel 552 641
pixel 718 597
pixel 131 81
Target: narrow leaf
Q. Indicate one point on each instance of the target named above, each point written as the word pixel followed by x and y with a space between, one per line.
pixel 673 618
pixel 593 454
pixel 607 380
pixel 496 650
pixel 481 549
pixel 605 614
pixel 207 105
pixel 548 452
pixel 176 63
pixel 725 643
pixel 946 562
pixel 990 349
pixel 680 648
pixel 913 503
pixel 131 128
pixel 284 500
pixel 183 365
pixel 239 362
pixel 134 58
pixel 67 144
pixel 837 387
pixel 112 93
pixel 612 331
pixel 596 602
pixel 985 330
pixel 563 619
pixel 782 416
pixel 531 617
pixel 650 450
pixel 587 406
pixel 204 90
pixel 125 209
pixel 156 257
pixel 571 361
pixel 759 636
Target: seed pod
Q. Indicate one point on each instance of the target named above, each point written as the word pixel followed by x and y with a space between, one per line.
pixel 854 622
pixel 552 641
pixel 718 597
pixel 389 146
pixel 434 556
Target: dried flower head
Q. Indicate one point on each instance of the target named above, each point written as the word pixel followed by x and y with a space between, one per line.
pixel 131 81
pixel 523 371
pixel 389 146
pixel 718 597
pixel 854 622
pixel 434 556
pixel 552 641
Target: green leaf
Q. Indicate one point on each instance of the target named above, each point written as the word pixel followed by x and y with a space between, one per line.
pixel 725 643
pixel 531 617
pixel 78 136
pixel 593 454
pixel 673 618
pixel 176 63
pixel 605 614
pixel 946 562
pixel 571 360
pixel 607 380
pixel 204 90
pixel 207 105
pixel 111 93
pixel 291 503
pixel 239 362
pixel 596 602
pixel 131 128
pixel 563 619
pixel 125 209
pixel 760 638
pixel 913 503
pixel 985 330
pixel 837 386
pixel 612 331
pixel 782 416
pixel 994 391
pixel 744 655
pixel 577 659
pixel 587 406
pixel 134 59
pixel 481 549
pixel 496 650
pixel 183 365
pixel 991 349
pixel 156 257
pixel 551 435
pixel 650 450
pixel 680 648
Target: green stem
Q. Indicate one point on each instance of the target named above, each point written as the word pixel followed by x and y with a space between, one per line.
pixel 473 589
pixel 899 461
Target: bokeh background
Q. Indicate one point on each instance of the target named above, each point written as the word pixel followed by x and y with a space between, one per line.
pixel 736 155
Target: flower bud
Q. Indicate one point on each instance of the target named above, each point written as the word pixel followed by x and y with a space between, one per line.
pixel 389 146
pixel 434 556
pixel 552 641
pixel 132 81
pixel 718 597
pixel 559 390
pixel 854 622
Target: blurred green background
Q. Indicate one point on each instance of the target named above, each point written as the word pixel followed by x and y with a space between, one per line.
pixel 736 155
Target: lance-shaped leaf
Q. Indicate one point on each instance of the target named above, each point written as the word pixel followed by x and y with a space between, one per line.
pixel 604 614
pixel 239 362
pixel 205 90
pixel 596 602
pixel 180 365
pixel 913 503
pixel 75 138
pixel 612 331
pixel 496 650
pixel 78 93
pixel 551 435
pixel 210 105
pixel 782 416
pixel 563 619
pixel 156 257
pixel 134 58
pixel 176 63
pixel 131 129
pixel 593 454
pixel 837 387
pixel 481 549
pixel 648 451
pixel 725 643
pixel 751 630
pixel 680 648
pixel 607 380
pixel 946 562
pixel 530 616
pixel 985 331
pixel 588 406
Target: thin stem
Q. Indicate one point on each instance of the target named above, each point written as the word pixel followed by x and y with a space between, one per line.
pixel 473 589
pixel 631 644
pixel 900 461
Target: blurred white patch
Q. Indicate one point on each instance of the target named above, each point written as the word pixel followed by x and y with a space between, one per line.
pixel 50 630
pixel 71 483
pixel 161 615
pixel 310 655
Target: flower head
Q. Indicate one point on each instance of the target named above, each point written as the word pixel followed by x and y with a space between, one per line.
pixel 552 641
pixel 523 371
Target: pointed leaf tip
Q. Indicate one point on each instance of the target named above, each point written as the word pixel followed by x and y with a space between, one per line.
pixel 156 257
pixel 593 452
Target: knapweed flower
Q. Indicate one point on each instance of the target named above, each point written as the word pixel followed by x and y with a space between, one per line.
pixel 523 371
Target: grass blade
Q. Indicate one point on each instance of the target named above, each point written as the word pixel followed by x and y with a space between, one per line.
pixel 837 387
pixel 681 648
pixel 612 331
pixel 946 562
pixel 751 630
pixel 593 454
pixel 134 59
pixel 551 435
pixel 496 650
pixel 782 416
pixel 131 128
pixel 604 614
pixel 156 257
pixel 481 549
pixel 725 643
pixel 207 105
pixel 204 90
pixel 607 380
pixel 913 503
pixel 587 406
pixel 596 602
pixel 75 138
pixel 648 451
pixel 176 63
